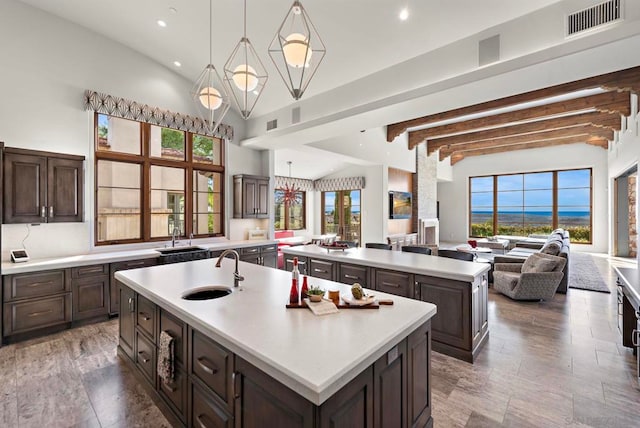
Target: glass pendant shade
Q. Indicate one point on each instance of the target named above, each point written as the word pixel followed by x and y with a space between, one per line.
pixel 297 50
pixel 245 76
pixel 211 98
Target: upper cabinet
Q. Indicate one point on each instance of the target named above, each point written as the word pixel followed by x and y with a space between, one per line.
pixel 250 196
pixel 42 187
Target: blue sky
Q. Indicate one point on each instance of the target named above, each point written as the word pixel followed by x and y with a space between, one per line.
pixel 330 200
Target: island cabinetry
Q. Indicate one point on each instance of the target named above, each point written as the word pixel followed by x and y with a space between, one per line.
pixel 394 282
pixel 263 255
pixel 37 300
pixel 419 377
pixel 90 286
pixel 460 326
pixel 302 264
pixel 42 187
pixel 251 196
pixel 322 269
pixel 390 383
pixel 127 322
pixel 350 274
pixel 114 294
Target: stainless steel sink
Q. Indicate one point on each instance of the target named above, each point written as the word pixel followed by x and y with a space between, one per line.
pixel 176 250
pixel 182 254
pixel 207 292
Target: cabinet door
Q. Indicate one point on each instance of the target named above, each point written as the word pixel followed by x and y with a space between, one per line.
pixel 114 294
pixel 25 188
pixel 90 297
pixel 390 388
pixel 270 259
pixel 127 319
pixel 419 375
pixel 249 189
pixel 352 406
pixel 262 198
pixel 251 258
pixel 263 401
pixel 64 190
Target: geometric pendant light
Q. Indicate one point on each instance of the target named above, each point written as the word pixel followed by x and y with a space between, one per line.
pixel 297 50
pixel 209 92
pixel 244 73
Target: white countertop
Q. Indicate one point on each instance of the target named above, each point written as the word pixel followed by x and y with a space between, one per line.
pixel 440 267
pixel 35 265
pixel 313 355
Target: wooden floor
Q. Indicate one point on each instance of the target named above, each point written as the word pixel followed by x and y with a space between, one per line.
pixel 546 365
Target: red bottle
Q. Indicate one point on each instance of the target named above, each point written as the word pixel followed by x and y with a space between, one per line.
pixel 294 297
pixel 305 289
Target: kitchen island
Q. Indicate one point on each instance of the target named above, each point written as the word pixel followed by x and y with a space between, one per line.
pixel 246 360
pixel 458 288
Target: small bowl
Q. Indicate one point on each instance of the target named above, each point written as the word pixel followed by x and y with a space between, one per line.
pixel 315 297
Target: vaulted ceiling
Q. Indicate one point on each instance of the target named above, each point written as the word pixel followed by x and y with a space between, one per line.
pixel 586 111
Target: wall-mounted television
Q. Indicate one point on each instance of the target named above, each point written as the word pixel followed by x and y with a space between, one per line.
pixel 399 204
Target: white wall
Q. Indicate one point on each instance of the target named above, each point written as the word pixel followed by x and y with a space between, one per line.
pixel 47 63
pixel 454 199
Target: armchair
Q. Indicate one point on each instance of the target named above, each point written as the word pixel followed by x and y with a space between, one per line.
pixel 537 278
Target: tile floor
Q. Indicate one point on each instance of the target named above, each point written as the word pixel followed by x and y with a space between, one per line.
pixel 553 364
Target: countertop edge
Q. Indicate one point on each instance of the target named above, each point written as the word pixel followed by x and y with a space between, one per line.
pixel 633 289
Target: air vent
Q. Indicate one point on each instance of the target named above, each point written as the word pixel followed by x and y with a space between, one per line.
pixel 272 124
pixel 295 115
pixel 595 16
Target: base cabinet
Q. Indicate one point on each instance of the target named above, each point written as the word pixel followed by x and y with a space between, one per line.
pixel 90 286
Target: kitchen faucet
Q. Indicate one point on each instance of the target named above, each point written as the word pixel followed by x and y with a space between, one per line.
pixel 236 276
pixel 174 235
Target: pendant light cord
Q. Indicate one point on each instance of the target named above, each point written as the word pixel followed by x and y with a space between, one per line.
pixel 245 19
pixel 210 31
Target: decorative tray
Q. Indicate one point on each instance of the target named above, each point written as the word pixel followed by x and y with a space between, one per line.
pixel 340 306
pixel 334 247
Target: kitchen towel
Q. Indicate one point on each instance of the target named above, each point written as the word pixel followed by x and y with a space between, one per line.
pixel 166 357
pixel 323 307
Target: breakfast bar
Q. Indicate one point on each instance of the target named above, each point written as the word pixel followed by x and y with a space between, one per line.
pixel 246 358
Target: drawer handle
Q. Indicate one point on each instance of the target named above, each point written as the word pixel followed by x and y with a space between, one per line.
pixel 51 211
pixel 390 284
pixel 205 367
pixel 43 212
pixel 320 270
pixel 37 314
pixel 144 359
pixel 91 270
pixel 199 420
pixel 234 392
pixel 634 337
pixel 145 316
pixel 38 284
pixel 638 315
pixel 346 275
pixel 135 263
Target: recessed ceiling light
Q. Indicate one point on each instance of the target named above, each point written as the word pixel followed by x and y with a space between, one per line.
pixel 177 63
pixel 161 23
pixel 404 14
pixel 173 10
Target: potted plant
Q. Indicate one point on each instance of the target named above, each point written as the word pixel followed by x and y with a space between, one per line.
pixel 315 294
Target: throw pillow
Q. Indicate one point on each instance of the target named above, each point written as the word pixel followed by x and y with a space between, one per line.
pixel 551 248
pixel 536 263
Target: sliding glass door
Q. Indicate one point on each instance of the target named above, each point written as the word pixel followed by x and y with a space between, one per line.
pixel 341 214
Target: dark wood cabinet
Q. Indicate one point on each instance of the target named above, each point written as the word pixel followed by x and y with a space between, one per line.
pixel 303 267
pixel 145 357
pixel 205 410
pixel 352 406
pixel 350 274
pixel 390 388
pixel 263 255
pixel 146 317
pixel 322 269
pixel 419 376
pixel 90 287
pixel 251 196
pixel 393 282
pixel 114 298
pixel 127 320
pixel 42 187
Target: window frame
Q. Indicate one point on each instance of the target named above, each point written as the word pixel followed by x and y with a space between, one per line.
pixel 145 160
pixel 554 190
pixel 287 219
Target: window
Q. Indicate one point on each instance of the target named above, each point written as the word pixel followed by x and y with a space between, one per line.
pixel 150 180
pixel 289 215
pixel 532 203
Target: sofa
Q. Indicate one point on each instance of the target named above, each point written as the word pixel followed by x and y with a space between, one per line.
pixel 555 244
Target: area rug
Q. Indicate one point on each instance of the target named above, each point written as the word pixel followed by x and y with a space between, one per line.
pixel 584 274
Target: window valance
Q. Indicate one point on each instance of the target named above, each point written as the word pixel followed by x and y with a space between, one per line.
pixel 127 109
pixel 342 183
pixel 300 183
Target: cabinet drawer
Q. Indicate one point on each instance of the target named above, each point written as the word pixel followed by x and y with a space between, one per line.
pixel 34 285
pixel 178 330
pixel 175 393
pixel 350 274
pixel 146 316
pixel 85 271
pixel 212 364
pixel 33 314
pixel 205 413
pixel 269 248
pixel 146 357
pixel 321 269
pixel 250 250
pixel 398 283
pixel 133 264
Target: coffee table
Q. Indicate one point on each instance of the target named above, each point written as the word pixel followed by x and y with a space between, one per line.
pixel 497 244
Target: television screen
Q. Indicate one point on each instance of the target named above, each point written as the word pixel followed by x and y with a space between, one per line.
pixel 399 205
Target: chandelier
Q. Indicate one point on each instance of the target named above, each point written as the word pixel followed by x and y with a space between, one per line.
pixel 245 74
pixel 297 50
pixel 209 92
pixel 290 191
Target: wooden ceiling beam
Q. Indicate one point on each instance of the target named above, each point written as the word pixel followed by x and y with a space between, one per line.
pixel 609 102
pixel 582 130
pixel 630 76
pixel 606 120
pixel 599 142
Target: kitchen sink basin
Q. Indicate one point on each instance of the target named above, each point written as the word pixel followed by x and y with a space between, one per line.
pixel 179 250
pixel 181 254
pixel 207 292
